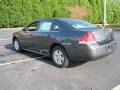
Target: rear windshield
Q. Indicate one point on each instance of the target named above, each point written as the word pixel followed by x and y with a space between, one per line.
pixel 77 23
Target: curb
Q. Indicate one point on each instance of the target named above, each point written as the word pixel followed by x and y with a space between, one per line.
pixel 19 28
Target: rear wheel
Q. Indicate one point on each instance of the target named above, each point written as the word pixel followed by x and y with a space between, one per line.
pixel 59 57
pixel 17 45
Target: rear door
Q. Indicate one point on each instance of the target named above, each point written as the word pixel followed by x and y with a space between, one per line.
pixel 43 37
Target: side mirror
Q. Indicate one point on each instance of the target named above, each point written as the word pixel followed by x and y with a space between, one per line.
pixel 25 30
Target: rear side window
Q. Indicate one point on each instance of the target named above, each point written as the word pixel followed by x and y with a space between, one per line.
pixel 45 26
pixel 55 27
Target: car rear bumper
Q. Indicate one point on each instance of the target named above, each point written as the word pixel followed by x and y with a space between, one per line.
pixel 86 52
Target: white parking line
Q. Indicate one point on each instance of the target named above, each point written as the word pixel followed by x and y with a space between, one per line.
pixel 117 87
pixel 5 39
pixel 19 61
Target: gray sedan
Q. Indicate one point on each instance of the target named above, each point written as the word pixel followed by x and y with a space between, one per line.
pixel 65 39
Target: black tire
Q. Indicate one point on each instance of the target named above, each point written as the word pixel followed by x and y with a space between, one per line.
pixel 19 49
pixel 66 61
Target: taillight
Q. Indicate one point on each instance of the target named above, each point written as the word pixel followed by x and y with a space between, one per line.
pixel 87 37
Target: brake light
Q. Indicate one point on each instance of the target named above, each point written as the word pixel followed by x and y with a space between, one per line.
pixel 87 37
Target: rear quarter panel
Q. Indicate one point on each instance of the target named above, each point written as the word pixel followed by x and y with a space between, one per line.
pixel 70 41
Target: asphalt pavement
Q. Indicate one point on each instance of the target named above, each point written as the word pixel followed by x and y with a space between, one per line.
pixel 29 71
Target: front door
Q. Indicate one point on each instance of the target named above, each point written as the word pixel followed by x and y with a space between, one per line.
pixel 26 38
pixel 43 37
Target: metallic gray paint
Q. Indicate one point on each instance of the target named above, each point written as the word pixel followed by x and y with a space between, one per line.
pixel 69 38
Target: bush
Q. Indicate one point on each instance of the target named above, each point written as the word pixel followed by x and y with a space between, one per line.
pixel 14 13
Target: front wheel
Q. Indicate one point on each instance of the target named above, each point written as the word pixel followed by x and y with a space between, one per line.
pixel 60 57
pixel 17 45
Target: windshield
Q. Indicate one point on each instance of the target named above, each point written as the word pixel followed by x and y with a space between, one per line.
pixel 77 23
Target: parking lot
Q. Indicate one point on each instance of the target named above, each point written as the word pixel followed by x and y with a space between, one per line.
pixel 29 71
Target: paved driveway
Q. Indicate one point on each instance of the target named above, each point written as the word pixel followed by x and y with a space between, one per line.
pixel 28 71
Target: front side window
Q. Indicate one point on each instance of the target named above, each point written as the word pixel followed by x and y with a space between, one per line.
pixel 32 26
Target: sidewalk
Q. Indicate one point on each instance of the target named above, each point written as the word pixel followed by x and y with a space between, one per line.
pixel 18 28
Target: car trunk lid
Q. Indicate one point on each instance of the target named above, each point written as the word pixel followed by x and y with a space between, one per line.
pixel 103 36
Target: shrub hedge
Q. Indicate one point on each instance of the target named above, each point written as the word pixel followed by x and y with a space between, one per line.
pixel 14 13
